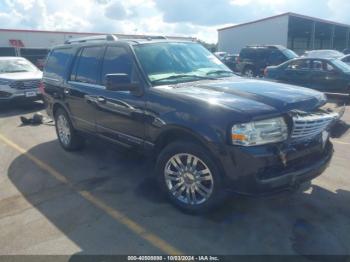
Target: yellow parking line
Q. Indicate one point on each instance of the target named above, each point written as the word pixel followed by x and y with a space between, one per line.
pixel 115 214
pixel 340 142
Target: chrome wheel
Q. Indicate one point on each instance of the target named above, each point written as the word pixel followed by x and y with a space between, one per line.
pixel 63 130
pixel 188 179
pixel 249 73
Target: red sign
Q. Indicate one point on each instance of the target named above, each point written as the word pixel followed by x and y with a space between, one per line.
pixel 16 43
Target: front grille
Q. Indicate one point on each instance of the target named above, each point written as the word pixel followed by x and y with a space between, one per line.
pixel 311 124
pixel 25 84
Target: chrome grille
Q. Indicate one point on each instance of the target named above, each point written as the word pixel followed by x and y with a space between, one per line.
pixel 310 125
pixel 25 84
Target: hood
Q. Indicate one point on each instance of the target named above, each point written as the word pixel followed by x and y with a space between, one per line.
pixel 22 75
pixel 254 97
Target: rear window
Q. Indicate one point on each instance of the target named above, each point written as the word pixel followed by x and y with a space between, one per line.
pixel 255 53
pixel 57 62
pixel 247 53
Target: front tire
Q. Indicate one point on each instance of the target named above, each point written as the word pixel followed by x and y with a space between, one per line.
pixel 189 176
pixel 68 137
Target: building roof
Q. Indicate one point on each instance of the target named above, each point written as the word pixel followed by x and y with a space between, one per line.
pixel 286 14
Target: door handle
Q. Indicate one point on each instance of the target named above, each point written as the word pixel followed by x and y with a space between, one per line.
pixel 101 99
pixel 66 91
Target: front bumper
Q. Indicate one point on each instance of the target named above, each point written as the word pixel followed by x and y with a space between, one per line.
pixel 11 94
pixel 266 169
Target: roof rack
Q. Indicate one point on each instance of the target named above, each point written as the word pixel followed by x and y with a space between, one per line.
pixel 92 38
pixel 157 37
pixel 268 46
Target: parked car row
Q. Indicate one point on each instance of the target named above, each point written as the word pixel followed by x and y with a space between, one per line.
pixel 325 75
pixel 324 70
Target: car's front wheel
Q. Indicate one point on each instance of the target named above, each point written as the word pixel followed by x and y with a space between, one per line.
pixel 68 137
pixel 189 176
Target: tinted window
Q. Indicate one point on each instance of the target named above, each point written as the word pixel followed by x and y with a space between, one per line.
pixel 276 58
pixel 346 59
pixel 88 65
pixel 247 53
pixel 57 62
pixel 117 60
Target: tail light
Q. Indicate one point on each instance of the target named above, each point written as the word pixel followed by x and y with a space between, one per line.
pixel 42 87
pixel 238 60
pixel 265 71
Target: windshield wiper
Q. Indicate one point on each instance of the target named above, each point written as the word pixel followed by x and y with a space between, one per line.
pixel 183 76
pixel 219 72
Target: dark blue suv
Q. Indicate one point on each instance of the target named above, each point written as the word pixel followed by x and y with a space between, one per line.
pixel 211 131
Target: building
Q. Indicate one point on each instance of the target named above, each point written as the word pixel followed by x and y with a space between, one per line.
pixel 47 39
pixel 295 31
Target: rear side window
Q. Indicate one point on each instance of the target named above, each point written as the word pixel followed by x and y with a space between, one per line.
pixel 117 60
pixel 57 62
pixel 247 53
pixel 300 65
pixel 276 57
pixel 87 66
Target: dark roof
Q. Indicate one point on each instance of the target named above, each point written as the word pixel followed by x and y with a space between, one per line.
pixel 286 14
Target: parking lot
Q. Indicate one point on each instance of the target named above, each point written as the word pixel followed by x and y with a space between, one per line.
pixel 103 200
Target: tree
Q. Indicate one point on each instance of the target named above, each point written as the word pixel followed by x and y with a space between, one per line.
pixel 211 47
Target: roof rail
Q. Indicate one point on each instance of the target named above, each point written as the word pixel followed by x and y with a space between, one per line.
pixel 91 38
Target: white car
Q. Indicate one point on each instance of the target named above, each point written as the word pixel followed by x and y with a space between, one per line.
pixel 19 80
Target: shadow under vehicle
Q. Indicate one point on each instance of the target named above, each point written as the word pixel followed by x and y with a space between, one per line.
pixel 310 222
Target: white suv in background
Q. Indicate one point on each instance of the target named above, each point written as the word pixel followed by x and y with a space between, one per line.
pixel 19 80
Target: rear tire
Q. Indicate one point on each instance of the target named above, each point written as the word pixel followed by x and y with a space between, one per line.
pixel 189 177
pixel 249 72
pixel 68 137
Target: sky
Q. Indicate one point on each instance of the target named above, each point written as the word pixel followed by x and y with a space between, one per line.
pixel 198 18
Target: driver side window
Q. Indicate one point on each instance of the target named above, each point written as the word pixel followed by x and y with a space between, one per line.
pixel 118 60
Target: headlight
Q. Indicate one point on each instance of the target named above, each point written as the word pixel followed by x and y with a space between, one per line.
pixel 260 132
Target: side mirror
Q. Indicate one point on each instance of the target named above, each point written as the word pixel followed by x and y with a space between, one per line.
pixel 120 82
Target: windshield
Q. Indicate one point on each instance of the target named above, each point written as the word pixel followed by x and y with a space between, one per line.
pixel 341 65
pixel 16 65
pixel 289 54
pixel 178 62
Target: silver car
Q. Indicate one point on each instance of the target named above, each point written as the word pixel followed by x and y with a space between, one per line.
pixel 19 80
